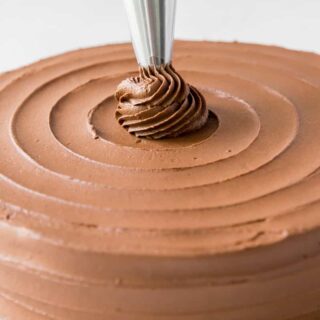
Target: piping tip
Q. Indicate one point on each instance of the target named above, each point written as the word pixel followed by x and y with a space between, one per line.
pixel 151 24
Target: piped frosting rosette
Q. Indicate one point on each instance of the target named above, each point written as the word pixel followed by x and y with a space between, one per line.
pixel 159 104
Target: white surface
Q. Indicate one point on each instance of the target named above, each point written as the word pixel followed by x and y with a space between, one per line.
pixel 34 29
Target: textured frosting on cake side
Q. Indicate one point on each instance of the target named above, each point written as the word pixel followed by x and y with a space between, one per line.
pixel 222 223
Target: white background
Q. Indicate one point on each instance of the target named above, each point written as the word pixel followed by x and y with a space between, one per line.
pixel 34 29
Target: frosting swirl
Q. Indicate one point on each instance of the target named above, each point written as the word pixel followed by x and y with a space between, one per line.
pixel 158 103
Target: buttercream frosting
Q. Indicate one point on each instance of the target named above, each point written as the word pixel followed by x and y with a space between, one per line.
pixel 159 104
pixel 221 223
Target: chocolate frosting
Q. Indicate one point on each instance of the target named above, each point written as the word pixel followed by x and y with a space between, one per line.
pixel 222 223
pixel 159 104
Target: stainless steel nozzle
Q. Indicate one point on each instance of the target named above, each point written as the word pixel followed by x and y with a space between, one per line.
pixel 152 28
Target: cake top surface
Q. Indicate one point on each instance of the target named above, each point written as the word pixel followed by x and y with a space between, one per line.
pixel 71 176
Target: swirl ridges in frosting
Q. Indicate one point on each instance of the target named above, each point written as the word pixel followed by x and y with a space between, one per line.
pixel 158 103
